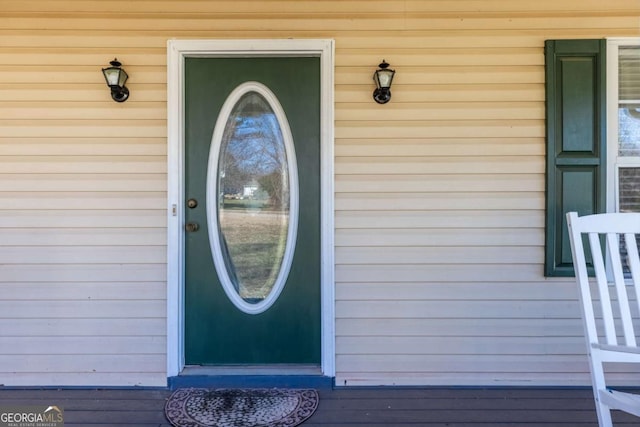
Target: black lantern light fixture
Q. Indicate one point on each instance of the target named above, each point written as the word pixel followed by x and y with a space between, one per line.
pixel 116 77
pixel 383 78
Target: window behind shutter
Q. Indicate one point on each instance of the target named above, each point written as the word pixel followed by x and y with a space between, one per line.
pixel 576 141
pixel 629 76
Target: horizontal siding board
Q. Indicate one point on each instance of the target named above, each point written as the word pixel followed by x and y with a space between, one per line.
pixel 453 272
pixel 435 237
pixel 59 200
pixel 83 164
pixel 427 111
pixel 239 7
pixel 95 183
pixel 424 38
pixel 456 148
pixel 64 237
pixel 224 23
pixel 84 147
pixel 452 128
pixel 464 363
pixel 447 183
pixel 84 379
pixel 469 328
pixel 86 128
pixel 455 223
pixel 43 219
pixel 328 6
pixel 505 6
pixel 301 22
pixel 503 56
pixel 516 309
pixel 23 273
pixel 403 256
pixel 200 7
pixel 48 110
pixel 620 19
pixel 78 363
pixel 83 327
pixel 48 291
pixel 82 309
pixel 70 56
pixel 499 347
pixel 476 291
pixel 90 255
pixel 130 38
pixel 196 22
pixel 439 165
pixel 88 346
pixel 43 37
pixel 438 201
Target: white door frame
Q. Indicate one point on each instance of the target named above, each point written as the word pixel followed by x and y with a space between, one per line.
pixel 177 51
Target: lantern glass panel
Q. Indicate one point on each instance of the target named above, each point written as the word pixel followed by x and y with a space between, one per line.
pixel 111 75
pixel 123 76
pixel 384 78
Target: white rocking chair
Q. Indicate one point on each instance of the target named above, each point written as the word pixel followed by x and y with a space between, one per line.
pixel 619 343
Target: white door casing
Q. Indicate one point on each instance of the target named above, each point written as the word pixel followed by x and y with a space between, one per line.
pixel 177 51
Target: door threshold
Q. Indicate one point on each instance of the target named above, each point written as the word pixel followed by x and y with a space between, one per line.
pixel 258 376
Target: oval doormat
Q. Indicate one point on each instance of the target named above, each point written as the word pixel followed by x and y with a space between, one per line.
pixel 194 407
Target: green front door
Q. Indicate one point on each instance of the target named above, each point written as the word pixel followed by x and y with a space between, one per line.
pixel 252 211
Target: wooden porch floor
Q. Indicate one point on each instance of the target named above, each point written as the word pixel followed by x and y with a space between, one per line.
pixel 407 407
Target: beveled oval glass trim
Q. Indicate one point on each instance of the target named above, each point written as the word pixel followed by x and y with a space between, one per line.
pixel 212 197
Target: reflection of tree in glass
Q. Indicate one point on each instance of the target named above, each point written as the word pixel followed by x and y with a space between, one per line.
pixel 254 188
pixel 253 152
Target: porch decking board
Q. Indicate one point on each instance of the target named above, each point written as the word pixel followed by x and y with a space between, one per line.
pixel 406 407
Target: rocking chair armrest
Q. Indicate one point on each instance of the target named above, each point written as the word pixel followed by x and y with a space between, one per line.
pixel 616 353
pixel 618 348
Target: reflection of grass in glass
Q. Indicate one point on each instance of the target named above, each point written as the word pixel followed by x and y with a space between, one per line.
pixel 256 243
pixel 245 204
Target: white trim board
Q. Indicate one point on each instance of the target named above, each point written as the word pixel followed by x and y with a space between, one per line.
pixel 177 51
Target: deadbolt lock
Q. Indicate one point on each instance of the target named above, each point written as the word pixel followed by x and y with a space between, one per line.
pixel 192 203
pixel 192 226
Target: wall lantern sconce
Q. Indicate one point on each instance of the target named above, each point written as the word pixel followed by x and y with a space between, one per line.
pixel 116 78
pixel 383 78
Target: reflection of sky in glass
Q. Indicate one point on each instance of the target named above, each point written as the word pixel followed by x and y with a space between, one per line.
pixel 629 132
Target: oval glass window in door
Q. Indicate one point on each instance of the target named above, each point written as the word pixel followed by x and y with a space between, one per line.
pixel 252 197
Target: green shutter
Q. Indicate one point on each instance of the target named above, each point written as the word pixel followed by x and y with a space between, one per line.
pixel 576 141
